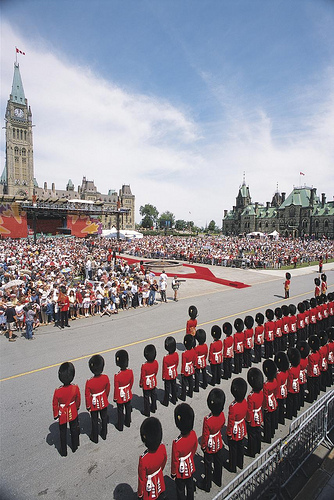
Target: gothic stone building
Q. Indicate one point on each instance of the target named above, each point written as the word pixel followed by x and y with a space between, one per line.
pixel 18 182
pixel 302 213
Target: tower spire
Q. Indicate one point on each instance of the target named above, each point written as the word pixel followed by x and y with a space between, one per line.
pixel 244 179
pixel 17 94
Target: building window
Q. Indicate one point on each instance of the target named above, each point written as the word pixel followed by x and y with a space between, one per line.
pixel 25 135
pixel 24 152
pixel 13 133
pixel 326 224
pixel 17 134
pixel 21 134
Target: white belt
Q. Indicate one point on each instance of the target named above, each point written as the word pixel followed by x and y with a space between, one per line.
pixel 187 367
pixel 216 355
pixel 171 370
pixel 256 412
pixel 149 483
pixel 182 463
pixel 210 440
pixel 63 405
pixel 122 391
pixel 94 396
pixel 149 380
pixel 235 427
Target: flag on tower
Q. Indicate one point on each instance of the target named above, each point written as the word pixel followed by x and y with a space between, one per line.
pixel 18 51
pixel 301 173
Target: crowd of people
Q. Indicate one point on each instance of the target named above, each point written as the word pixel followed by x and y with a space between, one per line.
pixel 298 353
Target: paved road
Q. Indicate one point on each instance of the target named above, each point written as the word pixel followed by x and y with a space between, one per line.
pixel 31 466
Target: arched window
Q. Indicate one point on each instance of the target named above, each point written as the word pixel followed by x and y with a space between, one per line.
pixel 25 135
pixel 16 151
pixel 21 134
pixel 24 152
pixel 292 211
pixel 317 224
pixel 13 133
pixel 326 224
pixel 17 133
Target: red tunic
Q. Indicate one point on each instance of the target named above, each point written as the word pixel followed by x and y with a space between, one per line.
pixel 239 342
pixel 254 409
pixel 330 356
pixel 170 364
pixel 236 425
pixel 96 392
pixel 201 352
pixel 292 324
pixel 148 375
pixel 319 312
pixel 188 362
pixel 183 451
pixel 259 335
pixel 278 328
pixel 150 473
pixel 313 316
pixel 330 308
pixel 303 370
pixel 313 366
pixel 281 378
pixel 293 379
pixel 248 338
pixel 269 328
pixel 285 323
pixel 215 352
pixel 325 311
pixel 123 382
pixel 317 291
pixel 228 347
pixel 191 326
pixel 300 321
pixel 211 440
pixel 66 403
pixel 270 389
pixel 323 351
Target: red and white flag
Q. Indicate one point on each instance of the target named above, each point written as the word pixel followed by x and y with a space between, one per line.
pixel 18 51
pixel 301 173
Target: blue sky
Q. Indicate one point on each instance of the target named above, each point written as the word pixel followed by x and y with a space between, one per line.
pixel 177 98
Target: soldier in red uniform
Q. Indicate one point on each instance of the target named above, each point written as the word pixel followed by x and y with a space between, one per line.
pixel 227 351
pixel 258 337
pixel 306 318
pixel 269 328
pixel 331 309
pixel 123 382
pixel 211 441
pixel 292 402
pixel 236 424
pixel 292 325
pixel 282 363
pixel 254 417
pixel 170 365
pixel 248 341
pixel 188 367
pixel 64 306
pixel 148 379
pixel 319 325
pixel 304 350
pixel 270 388
pixel 287 283
pixel 317 289
pixel 278 330
pixel 313 316
pixel 323 351
pixel 66 403
pixel 216 355
pixel 151 483
pixel 313 369
pixel 238 345
pixel 96 394
pixel 325 313
pixel 330 357
pixel 183 450
pixel 192 322
pixel 301 322
pixel 285 326
pixel 201 351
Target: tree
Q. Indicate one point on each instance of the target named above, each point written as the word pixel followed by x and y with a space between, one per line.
pixel 166 220
pixel 181 225
pixel 150 215
pixel 212 226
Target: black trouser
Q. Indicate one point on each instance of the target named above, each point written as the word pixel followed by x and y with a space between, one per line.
pixel 281 410
pixel 254 440
pixel 257 353
pixel 270 418
pixel 323 380
pixel 204 378
pixel 302 388
pixel 248 358
pixel 123 419
pixel 104 419
pixel 217 459
pixel 150 394
pixel 63 318
pixel 292 404
pixel 236 454
pixel 216 373
pixel 292 339
pixel 284 342
pixel 75 431
pixel 268 348
pixel 227 367
pixel 238 362
pixel 187 381
pixel 277 344
pixel 185 488
pixel 170 388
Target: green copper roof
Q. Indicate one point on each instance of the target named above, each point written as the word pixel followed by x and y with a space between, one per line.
pixel 17 87
pixel 244 190
pixel 299 197
pixel 3 176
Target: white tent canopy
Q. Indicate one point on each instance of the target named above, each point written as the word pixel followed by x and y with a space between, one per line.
pixel 123 233
pixel 256 234
pixel 274 234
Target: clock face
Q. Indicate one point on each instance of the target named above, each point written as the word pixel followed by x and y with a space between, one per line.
pixel 18 112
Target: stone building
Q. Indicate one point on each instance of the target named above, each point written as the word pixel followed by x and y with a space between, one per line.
pixel 302 213
pixel 18 182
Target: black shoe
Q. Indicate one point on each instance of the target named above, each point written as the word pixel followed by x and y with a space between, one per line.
pixel 68 326
pixel 202 486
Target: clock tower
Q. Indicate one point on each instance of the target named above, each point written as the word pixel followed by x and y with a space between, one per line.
pixel 19 168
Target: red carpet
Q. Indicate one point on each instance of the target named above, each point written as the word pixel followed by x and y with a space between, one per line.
pixel 201 273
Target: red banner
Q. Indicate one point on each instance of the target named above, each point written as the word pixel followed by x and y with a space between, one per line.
pixel 82 225
pixel 13 223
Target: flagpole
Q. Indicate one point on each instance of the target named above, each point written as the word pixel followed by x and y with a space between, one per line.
pixel 15 56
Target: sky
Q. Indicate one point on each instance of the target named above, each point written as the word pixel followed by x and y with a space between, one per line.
pixel 179 98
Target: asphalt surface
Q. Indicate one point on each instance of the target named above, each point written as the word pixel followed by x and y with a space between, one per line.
pixel 31 466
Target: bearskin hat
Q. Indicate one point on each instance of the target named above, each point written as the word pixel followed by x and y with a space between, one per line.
pixel 184 418
pixel 282 361
pixel 122 359
pixel 96 364
pixel 249 321
pixel 192 311
pixel 314 343
pixel 216 332
pixel 151 433
pixel 239 325
pixel 278 313
pixel 150 352
pixel 285 310
pixel 269 369
pixel 330 296
pixel 292 309
pixel 170 345
pixel 330 333
pixel 324 277
pixel 227 329
pixel 269 314
pixel 239 389
pixel 294 356
pixel 313 302
pixel 66 373
pixel 317 281
pixel 188 341
pixel 200 336
pixel 259 318
pixel 303 348
pixel 319 300
pixel 324 298
pixel 216 401
pixel 301 307
pixel 307 305
pixel 323 338
pixel 288 276
pixel 255 379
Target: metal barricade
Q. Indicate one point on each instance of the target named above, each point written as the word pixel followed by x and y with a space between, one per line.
pixel 306 414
